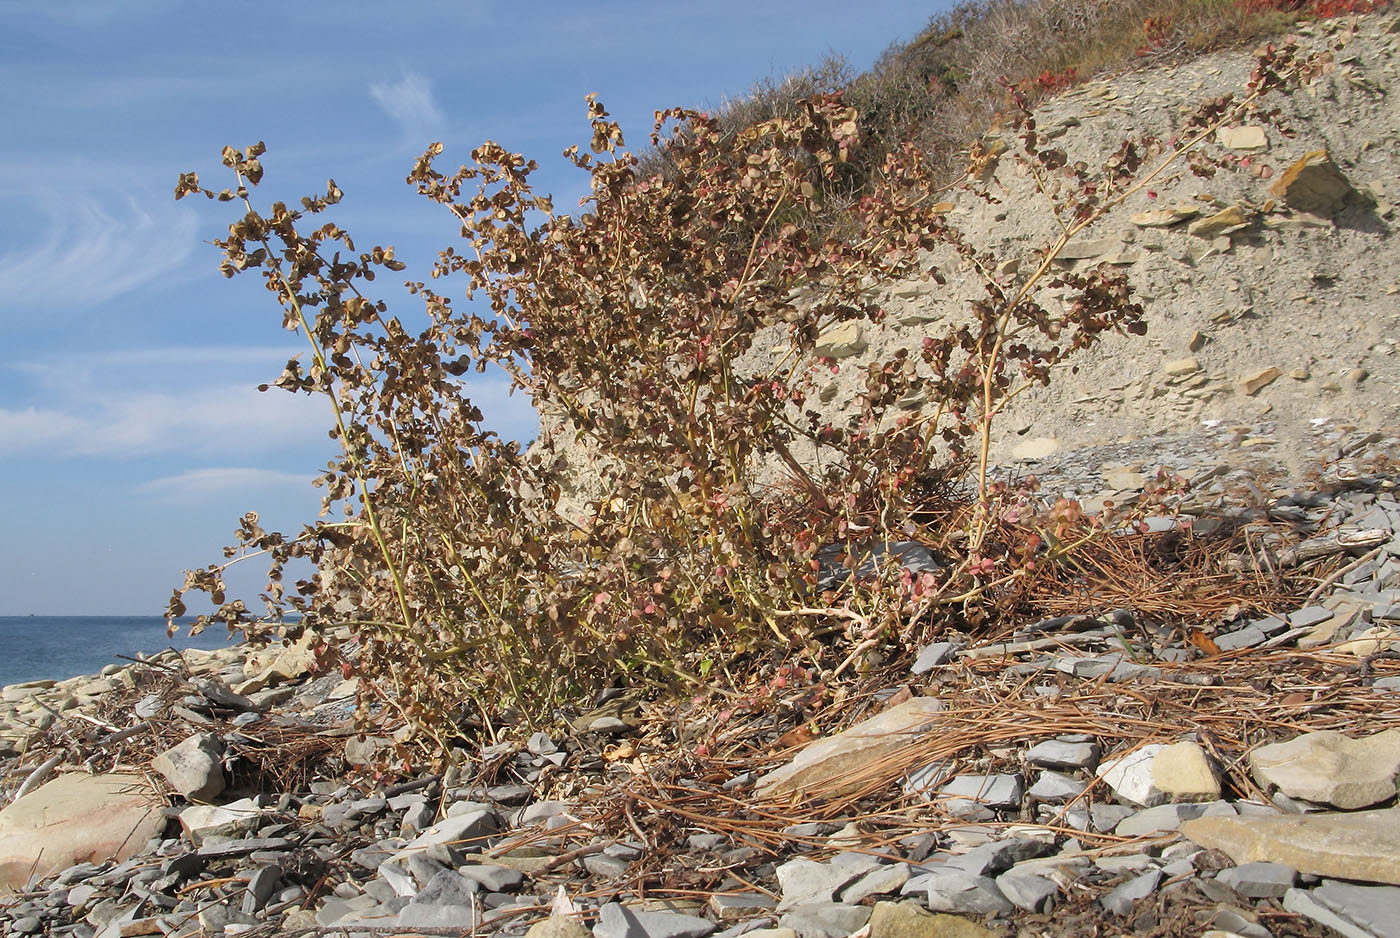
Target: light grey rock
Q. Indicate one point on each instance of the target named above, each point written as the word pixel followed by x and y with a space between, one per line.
pixel 1028 891
pixel 423 868
pixel 1125 863
pixel 447 887
pixel 261 885
pixel 1250 636
pixel 1056 787
pixel 1130 775
pixel 991 858
pixel 982 791
pixel 954 890
pixel 334 910
pixel 493 878
pixel 427 915
pixel 825 920
pixel 931 656
pixel 1121 899
pixel 880 881
pixel 1060 754
pixel 617 921
pixel 1309 616
pixel 1329 768
pixel 606 867
pixel 1259 880
pixel 1163 817
pixel 1105 817
pixel 1352 910
pixel 805 881
pixel 731 907
pixel 194 767
pixel 832 766
pixel 1237 921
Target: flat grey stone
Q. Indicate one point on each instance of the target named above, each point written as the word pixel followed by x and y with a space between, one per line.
pixel 1105 817
pixel 423 868
pixel 1028 891
pixel 805 881
pixel 1056 787
pixel 1120 901
pixel 825 920
pixel 491 877
pixel 880 881
pixel 467 830
pixel 729 907
pixel 428 915
pixel 1248 637
pixel 1309 616
pixel 1272 625
pixel 991 858
pixel 988 791
pixel 260 887
pixel 447 888
pixel 1354 911
pixel 931 656
pixel 1059 754
pixel 241 848
pixel 617 921
pixel 1164 817
pixel 1259 880
pixel 954 890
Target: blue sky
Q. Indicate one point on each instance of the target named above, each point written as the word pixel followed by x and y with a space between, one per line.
pixel 132 435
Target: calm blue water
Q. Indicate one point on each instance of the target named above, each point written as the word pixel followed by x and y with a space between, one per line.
pixel 35 647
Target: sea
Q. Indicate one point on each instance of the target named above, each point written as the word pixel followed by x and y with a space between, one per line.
pixel 55 647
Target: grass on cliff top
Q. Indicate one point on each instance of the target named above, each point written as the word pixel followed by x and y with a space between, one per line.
pixel 951 81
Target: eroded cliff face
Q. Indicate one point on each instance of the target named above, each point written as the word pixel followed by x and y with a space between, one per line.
pixel 1271 289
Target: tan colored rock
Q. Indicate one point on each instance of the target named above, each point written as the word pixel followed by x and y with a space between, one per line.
pixel 1361 845
pixel 1222 222
pixel 1165 217
pixel 1037 447
pixel 271 667
pixel 559 926
pixel 848 761
pixel 76 818
pixel 1328 768
pixel 1243 138
pixel 1314 185
pixel 1369 642
pixel 1124 480
pixel 911 920
pixel 1083 250
pixel 194 767
pixel 841 341
pixel 1197 341
pixel 1183 772
pixel 1181 367
pixel 1254 383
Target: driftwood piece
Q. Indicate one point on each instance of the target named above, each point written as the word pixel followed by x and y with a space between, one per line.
pixel 1329 544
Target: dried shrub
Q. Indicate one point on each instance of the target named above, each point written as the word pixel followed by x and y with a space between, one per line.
pixel 674 324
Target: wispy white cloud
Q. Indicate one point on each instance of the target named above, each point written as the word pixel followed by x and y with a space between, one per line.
pixel 409 101
pixel 224 480
pixel 89 245
pixel 113 423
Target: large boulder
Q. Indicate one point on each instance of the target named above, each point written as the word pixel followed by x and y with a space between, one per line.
pixel 76 818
